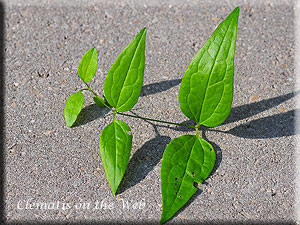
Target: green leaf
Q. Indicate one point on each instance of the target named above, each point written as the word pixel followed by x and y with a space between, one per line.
pixel 115 146
pixel 206 90
pixel 73 107
pixel 124 80
pixel 88 65
pixel 186 160
pixel 99 101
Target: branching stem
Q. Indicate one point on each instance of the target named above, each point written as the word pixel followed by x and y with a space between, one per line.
pixel 154 120
pixel 89 89
pixel 134 116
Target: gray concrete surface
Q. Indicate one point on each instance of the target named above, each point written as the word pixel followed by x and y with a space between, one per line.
pixel 46 162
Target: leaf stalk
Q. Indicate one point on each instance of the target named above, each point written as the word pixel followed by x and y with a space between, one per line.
pixel 89 89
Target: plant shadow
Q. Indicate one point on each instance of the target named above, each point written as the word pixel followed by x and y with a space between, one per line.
pixel 89 114
pixel 279 125
pixel 151 89
pixel 144 160
pixel 245 111
pixel 218 151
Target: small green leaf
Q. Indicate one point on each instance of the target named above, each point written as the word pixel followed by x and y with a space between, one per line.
pixel 186 160
pixel 206 90
pixel 88 65
pixel 124 80
pixel 115 146
pixel 99 101
pixel 73 107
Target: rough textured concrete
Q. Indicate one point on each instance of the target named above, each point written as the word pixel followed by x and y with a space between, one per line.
pixel 46 162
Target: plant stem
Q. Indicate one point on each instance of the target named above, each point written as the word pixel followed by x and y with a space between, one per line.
pixel 84 89
pixel 89 89
pixel 197 130
pixel 114 116
pixel 138 117
pixel 159 121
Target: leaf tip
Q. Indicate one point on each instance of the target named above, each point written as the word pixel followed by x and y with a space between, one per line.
pixel 114 190
pixel 236 10
pixel 143 31
pixel 69 125
pixel 163 219
pixel 95 51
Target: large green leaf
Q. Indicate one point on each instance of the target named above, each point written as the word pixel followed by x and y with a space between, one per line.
pixel 73 107
pixel 186 160
pixel 115 146
pixel 88 65
pixel 124 80
pixel 206 90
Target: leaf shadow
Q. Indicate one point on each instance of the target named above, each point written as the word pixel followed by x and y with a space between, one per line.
pixel 89 114
pixel 245 111
pixel 144 160
pixel 278 125
pixel 218 151
pixel 154 88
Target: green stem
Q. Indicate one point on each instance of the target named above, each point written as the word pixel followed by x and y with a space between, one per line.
pixel 114 116
pixel 84 89
pixel 197 130
pixel 159 121
pixel 89 89
pixel 138 117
